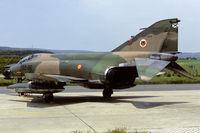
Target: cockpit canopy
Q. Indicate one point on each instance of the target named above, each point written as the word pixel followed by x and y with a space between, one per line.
pixel 28 58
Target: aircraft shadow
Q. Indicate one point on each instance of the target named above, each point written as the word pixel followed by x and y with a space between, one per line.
pixel 38 102
pixel 148 105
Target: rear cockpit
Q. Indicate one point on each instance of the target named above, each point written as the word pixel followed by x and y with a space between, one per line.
pixel 28 58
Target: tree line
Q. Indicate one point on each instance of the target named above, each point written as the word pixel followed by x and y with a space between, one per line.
pixel 20 53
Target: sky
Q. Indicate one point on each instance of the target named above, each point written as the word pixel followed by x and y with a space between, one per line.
pixel 94 25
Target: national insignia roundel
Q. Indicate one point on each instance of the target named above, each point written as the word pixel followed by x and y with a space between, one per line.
pixel 143 43
pixel 79 66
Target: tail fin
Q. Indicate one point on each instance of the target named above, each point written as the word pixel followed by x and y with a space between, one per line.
pixel 162 36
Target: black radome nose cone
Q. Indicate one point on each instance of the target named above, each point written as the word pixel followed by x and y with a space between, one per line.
pixel 6 74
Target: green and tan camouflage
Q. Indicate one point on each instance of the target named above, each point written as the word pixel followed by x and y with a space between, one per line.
pixel 159 37
pixel 143 57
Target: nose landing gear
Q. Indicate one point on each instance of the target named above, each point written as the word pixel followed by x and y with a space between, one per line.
pixel 48 97
pixel 19 80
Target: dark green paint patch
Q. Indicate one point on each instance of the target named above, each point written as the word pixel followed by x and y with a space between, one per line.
pixel 93 64
pixel 107 61
pixel 81 56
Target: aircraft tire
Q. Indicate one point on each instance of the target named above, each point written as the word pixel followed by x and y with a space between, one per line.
pixel 48 97
pixel 107 93
pixel 21 94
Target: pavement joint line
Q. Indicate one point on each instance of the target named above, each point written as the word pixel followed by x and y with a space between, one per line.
pixel 27 118
pixel 80 119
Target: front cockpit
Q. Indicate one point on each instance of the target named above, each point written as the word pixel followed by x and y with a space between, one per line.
pixel 28 58
pixel 16 69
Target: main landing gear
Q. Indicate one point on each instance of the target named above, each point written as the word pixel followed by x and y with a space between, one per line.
pixel 48 97
pixel 107 93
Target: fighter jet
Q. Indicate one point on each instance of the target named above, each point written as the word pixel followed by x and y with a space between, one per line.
pixel 143 56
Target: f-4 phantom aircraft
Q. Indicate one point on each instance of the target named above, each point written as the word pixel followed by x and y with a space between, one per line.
pixel 143 57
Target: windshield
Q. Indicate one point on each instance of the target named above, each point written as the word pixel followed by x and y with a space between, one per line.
pixel 28 58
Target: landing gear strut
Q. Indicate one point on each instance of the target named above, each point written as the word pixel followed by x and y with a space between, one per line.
pixel 107 93
pixel 19 80
pixel 48 97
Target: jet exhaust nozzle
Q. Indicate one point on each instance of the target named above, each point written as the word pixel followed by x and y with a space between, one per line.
pixel 163 56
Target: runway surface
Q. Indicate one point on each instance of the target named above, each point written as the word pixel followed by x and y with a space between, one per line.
pixel 156 108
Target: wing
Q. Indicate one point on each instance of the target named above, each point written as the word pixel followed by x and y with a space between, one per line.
pixel 148 68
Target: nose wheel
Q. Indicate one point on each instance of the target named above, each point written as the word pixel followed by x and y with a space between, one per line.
pixel 48 97
pixel 107 93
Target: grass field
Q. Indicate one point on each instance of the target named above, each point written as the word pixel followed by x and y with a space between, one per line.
pixel 191 65
pixel 170 80
pixel 4 82
pixel 117 130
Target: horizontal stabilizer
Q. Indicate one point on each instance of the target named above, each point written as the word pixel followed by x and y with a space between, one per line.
pixel 173 66
pixel 148 68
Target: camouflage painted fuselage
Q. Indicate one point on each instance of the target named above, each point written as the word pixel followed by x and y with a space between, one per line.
pixel 93 65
